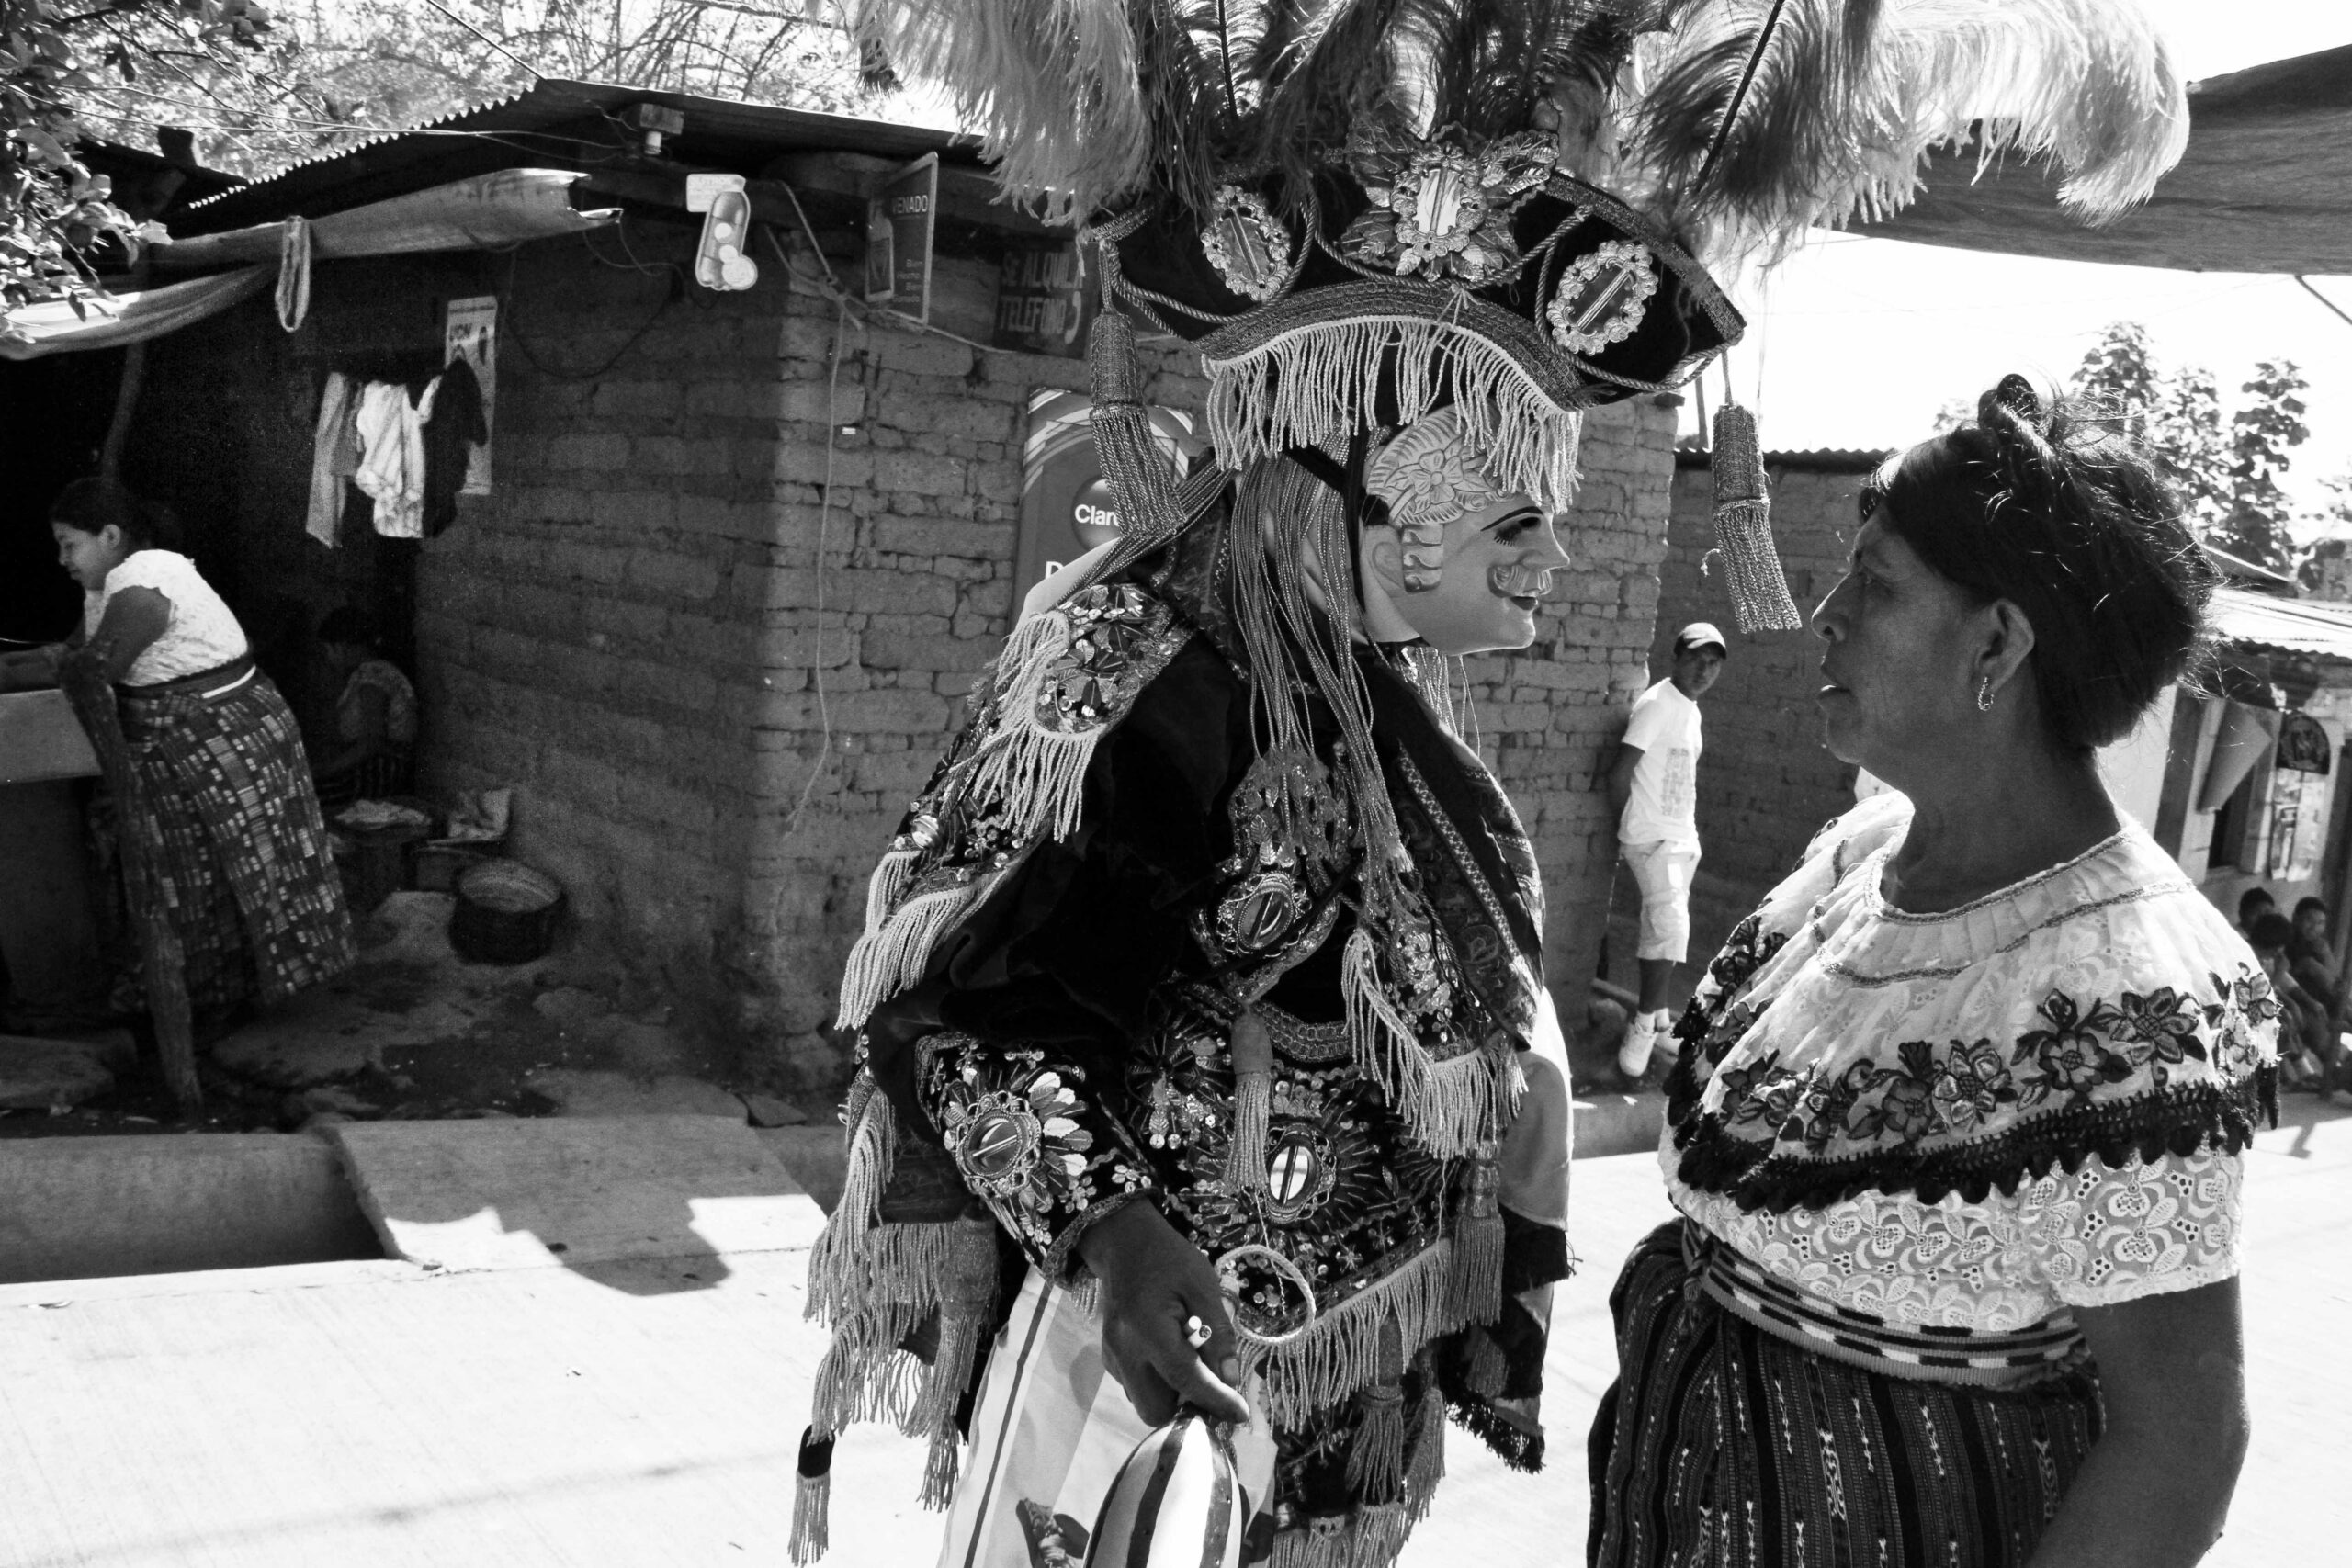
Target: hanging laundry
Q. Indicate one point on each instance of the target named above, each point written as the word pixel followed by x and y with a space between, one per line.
pixel 334 458
pixel 457 426
pixel 392 421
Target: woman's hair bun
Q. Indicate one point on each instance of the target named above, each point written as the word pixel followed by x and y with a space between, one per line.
pixel 2043 505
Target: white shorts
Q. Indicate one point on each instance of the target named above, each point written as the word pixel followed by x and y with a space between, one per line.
pixel 1663 869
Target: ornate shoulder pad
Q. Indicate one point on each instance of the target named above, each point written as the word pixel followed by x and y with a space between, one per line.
pixel 1014 775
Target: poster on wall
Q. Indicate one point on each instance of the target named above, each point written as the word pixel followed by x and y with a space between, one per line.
pixel 470 332
pixel 898 218
pixel 2298 824
pixel 1066 505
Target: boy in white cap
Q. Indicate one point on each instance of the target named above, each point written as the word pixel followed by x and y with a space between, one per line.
pixel 1653 789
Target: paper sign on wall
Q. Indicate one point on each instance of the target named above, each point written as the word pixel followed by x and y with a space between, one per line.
pixel 469 332
pixel 899 218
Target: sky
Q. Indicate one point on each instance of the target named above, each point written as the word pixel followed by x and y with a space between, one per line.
pixel 1859 342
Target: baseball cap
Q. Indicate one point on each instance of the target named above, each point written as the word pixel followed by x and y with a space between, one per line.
pixel 1702 634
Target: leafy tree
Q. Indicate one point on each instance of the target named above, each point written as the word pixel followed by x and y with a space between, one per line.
pixel 56 218
pixel 2226 475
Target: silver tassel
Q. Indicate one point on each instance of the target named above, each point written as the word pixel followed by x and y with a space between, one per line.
pixel 1253 1071
pixel 812 1496
pixel 1478 1242
pixel 1759 590
pixel 1141 480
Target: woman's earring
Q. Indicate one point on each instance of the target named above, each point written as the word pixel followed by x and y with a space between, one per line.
pixel 1984 696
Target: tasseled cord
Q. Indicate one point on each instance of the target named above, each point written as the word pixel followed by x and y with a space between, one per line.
pixel 1759 590
pixel 966 1299
pixel 1253 1072
pixel 1377 1457
pixel 1478 1242
pixel 1141 480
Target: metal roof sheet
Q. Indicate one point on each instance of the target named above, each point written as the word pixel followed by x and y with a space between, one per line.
pixel 556 122
pixel 2322 628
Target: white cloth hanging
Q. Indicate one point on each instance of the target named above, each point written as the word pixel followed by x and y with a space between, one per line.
pixel 391 460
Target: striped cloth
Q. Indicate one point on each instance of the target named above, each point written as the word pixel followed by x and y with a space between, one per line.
pixel 234 831
pixel 1730 1444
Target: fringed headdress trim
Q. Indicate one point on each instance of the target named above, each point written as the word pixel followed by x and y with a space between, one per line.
pixel 1308 371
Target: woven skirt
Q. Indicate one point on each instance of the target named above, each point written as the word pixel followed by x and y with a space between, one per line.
pixel 1723 1445
pixel 230 824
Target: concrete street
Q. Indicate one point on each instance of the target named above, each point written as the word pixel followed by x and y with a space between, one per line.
pixel 502 1396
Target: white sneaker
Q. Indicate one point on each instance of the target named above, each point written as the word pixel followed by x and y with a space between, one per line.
pixel 1641 1036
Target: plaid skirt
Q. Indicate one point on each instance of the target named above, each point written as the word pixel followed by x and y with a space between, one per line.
pixel 227 818
pixel 1723 1446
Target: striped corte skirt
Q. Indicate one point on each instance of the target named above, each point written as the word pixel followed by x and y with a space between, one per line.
pixel 1726 1444
pixel 234 832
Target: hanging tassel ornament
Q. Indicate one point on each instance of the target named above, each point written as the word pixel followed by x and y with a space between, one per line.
pixel 1759 590
pixel 1478 1241
pixel 1377 1459
pixel 1141 480
pixel 812 1495
pixel 1253 1088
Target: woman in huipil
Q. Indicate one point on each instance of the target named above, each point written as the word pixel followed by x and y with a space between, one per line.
pixel 1956 1129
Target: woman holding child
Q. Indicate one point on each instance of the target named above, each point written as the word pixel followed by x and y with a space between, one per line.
pixel 1956 1129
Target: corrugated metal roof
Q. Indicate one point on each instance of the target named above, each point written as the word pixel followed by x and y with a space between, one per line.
pixel 1814 459
pixel 557 123
pixel 2321 627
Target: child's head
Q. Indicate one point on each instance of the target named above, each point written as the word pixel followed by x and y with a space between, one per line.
pixel 2269 935
pixel 99 524
pixel 2311 918
pixel 2252 904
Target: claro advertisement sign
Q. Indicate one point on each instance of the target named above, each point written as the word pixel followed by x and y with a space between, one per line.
pixel 1066 509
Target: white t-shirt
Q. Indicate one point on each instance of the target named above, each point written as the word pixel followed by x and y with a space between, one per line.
pixel 1664 806
pixel 202 633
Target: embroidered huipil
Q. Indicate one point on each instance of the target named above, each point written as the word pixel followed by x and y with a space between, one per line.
pixel 1981 1118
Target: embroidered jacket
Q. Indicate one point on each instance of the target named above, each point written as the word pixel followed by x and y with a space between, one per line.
pixel 1062 946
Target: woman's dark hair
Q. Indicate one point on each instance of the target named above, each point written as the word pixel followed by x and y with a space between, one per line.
pixel 92 505
pixel 2071 522
pixel 2272 933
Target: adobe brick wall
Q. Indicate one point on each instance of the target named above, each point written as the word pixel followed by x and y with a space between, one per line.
pixel 629 628
pixel 1765 782
pixel 1546 714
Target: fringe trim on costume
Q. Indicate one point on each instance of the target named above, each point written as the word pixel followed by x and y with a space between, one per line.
pixel 1449 1108
pixel 1339 1353
pixel 887 960
pixel 1429 1452
pixel 876 1284
pixel 887 885
pixel 813 1506
pixel 1037 772
pixel 1324 379
pixel 1369 1537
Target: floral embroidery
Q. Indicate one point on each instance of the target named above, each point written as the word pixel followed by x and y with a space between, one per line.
pixel 2070 1057
pixel 1037 1151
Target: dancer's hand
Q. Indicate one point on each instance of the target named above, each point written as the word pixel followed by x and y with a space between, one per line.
pixel 1152 1279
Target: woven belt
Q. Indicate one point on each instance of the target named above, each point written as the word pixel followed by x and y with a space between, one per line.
pixel 205 685
pixel 1969 1356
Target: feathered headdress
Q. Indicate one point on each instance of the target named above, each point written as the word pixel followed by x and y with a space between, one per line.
pixel 1361 211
